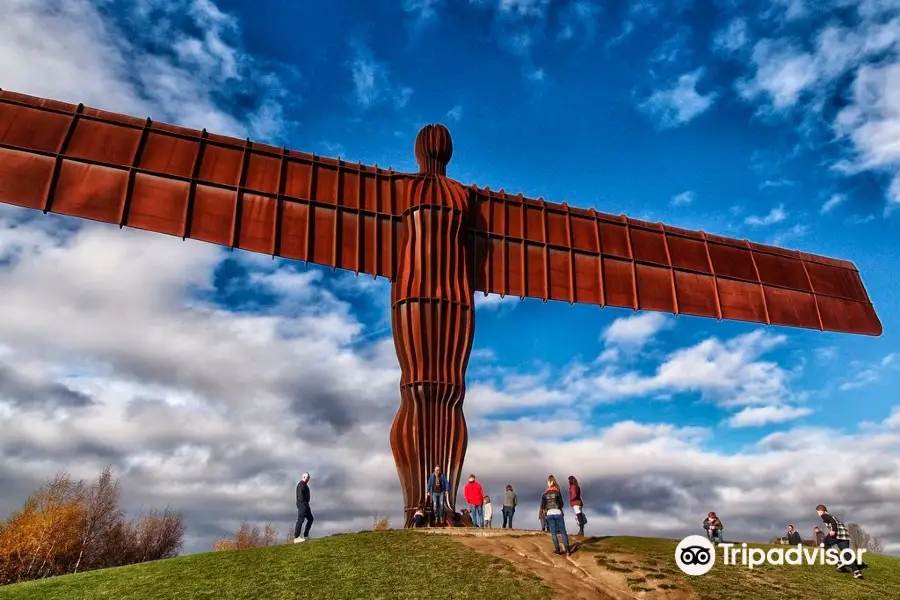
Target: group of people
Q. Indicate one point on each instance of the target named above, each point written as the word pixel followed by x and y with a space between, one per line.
pixel 480 512
pixel 838 536
pixel 551 514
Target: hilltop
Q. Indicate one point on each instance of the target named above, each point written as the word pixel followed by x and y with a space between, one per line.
pixel 407 565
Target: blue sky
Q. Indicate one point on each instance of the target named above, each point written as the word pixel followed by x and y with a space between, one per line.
pixel 771 121
pixel 573 101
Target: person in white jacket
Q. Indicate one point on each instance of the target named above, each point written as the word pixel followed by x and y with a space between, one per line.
pixel 488 511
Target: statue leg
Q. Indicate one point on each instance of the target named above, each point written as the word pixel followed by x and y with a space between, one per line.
pixel 429 430
pixel 433 340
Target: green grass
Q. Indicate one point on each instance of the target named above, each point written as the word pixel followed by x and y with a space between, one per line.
pixel 395 565
pixel 649 564
pixel 404 565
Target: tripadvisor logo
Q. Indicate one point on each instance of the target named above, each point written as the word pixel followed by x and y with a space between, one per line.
pixel 696 555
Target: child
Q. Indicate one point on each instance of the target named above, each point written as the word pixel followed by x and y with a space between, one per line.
pixel 488 511
pixel 713 526
pixel 542 517
pixel 419 517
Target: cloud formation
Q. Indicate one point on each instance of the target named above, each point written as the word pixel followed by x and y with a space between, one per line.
pixel 679 104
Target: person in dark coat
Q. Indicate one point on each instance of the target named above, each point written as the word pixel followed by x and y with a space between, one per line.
pixel 793 536
pixel 577 504
pixel 303 511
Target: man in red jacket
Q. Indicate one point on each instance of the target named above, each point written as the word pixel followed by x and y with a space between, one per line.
pixel 474 495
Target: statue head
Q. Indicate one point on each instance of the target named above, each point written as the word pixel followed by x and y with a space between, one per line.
pixel 434 149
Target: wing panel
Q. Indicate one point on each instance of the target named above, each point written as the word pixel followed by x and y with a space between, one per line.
pixel 159 204
pixel 696 294
pixel 114 168
pixel 24 178
pixel 88 191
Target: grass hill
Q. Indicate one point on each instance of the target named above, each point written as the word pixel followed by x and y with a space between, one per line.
pixel 401 565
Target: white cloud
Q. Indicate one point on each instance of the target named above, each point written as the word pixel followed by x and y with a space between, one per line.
pixel 71 51
pixel 832 203
pixel 867 374
pixel 733 38
pixel 860 220
pixel 455 113
pixel 578 20
pixel 523 8
pixel 791 78
pixel 684 198
pixel 776 183
pixel 674 50
pixel 783 72
pixel 495 301
pixel 627 29
pixel 827 353
pixel 763 415
pixel 423 10
pixel 788 10
pixel 793 232
pixel 536 75
pixel 679 104
pixel 776 215
pixel 372 82
pixel 635 332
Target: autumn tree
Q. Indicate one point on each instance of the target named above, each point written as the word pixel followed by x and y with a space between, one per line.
pixel 68 526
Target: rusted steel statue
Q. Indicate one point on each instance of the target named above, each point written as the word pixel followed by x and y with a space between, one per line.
pixel 437 240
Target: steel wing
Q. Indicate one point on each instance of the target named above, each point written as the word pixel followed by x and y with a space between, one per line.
pixel 532 248
pixel 109 167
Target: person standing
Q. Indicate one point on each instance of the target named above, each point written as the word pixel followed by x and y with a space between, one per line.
pixel 793 536
pixel 510 500
pixel 437 488
pixel 577 504
pixel 488 512
pixel 552 505
pixel 839 536
pixel 474 495
pixel 303 511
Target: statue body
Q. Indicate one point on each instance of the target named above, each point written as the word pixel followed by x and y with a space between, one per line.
pixel 432 313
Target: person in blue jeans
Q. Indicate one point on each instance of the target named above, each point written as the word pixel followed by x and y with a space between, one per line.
pixel 437 487
pixel 838 535
pixel 552 505
pixel 474 495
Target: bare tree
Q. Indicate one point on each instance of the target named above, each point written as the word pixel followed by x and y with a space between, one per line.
pixel 860 539
pixel 270 535
pixel 101 513
pixel 875 546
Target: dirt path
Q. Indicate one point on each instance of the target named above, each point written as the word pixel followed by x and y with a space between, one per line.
pixel 577 577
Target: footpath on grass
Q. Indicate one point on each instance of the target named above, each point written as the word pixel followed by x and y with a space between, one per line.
pixel 627 568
